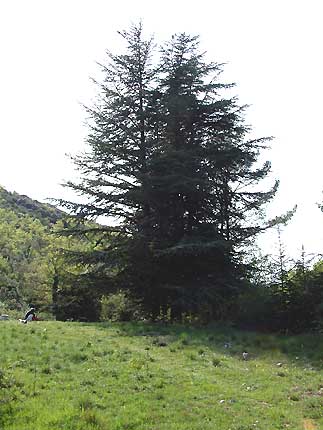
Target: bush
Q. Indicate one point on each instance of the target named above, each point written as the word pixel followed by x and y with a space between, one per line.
pixel 13 313
pixel 120 307
pixel 255 308
pixel 78 302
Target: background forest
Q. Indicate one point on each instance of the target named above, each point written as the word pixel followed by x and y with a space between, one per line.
pixel 172 201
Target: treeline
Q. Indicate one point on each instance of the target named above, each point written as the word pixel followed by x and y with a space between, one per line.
pixel 283 294
pixel 34 268
pixel 170 160
pixel 38 267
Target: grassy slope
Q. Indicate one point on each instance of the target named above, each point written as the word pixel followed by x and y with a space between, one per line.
pixel 138 376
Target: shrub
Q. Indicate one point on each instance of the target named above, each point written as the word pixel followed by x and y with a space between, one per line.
pixel 120 307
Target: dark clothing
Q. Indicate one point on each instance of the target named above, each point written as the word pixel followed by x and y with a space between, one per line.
pixel 30 312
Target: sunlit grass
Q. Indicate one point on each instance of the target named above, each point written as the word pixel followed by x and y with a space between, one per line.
pixel 75 376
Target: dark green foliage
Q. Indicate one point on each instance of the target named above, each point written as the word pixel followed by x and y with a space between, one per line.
pixel 76 304
pixel 256 309
pixel 298 306
pixel 287 297
pixel 169 159
pixel 120 307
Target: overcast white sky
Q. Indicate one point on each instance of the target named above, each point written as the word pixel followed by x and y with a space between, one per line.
pixel 274 53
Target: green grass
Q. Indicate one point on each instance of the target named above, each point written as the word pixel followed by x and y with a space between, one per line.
pixel 75 376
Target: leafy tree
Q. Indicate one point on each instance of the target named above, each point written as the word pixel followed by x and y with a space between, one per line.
pixel 23 263
pixel 33 269
pixel 170 160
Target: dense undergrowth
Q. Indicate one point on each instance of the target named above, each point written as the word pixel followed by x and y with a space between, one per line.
pixel 140 376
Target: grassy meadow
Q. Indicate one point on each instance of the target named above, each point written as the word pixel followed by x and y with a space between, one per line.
pixel 140 376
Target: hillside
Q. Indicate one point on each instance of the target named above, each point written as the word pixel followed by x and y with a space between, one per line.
pixel 47 214
pixel 75 376
pixel 27 246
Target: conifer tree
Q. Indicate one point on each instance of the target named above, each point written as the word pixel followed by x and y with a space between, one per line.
pixel 201 176
pixel 170 160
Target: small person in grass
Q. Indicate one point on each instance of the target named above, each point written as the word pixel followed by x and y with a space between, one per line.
pixel 30 316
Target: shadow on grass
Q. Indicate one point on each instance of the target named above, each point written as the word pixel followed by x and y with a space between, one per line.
pixel 304 350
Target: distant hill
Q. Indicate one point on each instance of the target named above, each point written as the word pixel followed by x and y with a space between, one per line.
pixel 46 213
